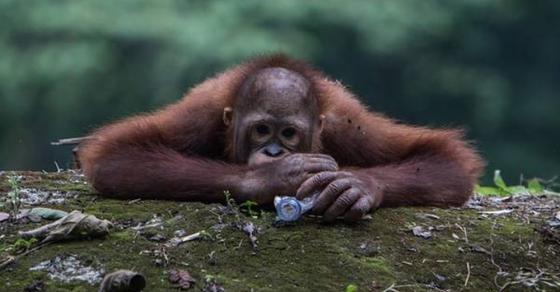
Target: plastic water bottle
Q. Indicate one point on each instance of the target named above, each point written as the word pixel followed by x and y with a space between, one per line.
pixel 290 209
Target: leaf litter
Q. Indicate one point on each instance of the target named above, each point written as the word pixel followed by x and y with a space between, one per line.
pixel 68 268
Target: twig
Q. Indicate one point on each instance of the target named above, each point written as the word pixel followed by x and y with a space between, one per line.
pixel 390 288
pixel 164 253
pixel 246 227
pixel 139 227
pixel 71 141
pixel 239 245
pixel 134 201
pixel 58 169
pixel 468 274
pixel 13 259
pixel 464 232
pixel 7 262
pixel 191 237
pixel 500 270
pixel 393 287
pixel 220 219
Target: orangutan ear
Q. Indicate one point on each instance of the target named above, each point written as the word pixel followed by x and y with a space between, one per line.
pixel 228 116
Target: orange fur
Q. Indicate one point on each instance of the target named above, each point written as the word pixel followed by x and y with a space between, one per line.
pixel 183 151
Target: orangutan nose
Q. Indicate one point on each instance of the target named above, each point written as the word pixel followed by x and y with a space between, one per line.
pixel 273 150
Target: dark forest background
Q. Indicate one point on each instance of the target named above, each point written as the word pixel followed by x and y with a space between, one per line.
pixel 492 67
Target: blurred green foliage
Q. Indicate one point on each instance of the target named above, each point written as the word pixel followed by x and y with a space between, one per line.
pixel 67 66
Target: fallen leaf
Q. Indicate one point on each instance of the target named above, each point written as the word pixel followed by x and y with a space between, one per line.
pixel 181 278
pixel 157 237
pixel 421 232
pixel 501 199
pixel 4 216
pixel 440 278
pixel 497 212
pixel 180 233
pixel 427 216
pixel 250 230
pixel 480 249
pixel 369 249
pixel 74 225
pixel 555 221
pixel 47 213
pixel 213 287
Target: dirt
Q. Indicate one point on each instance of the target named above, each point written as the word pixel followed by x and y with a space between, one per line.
pixel 478 247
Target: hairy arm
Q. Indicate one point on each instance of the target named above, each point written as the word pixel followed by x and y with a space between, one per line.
pixel 170 154
pixel 178 154
pixel 435 168
pixel 386 164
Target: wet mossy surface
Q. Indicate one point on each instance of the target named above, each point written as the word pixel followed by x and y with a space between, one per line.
pixel 489 250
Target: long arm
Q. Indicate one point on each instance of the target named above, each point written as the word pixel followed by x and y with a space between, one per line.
pixel 170 154
pixel 175 153
pixel 438 170
pixel 406 165
pixel 159 172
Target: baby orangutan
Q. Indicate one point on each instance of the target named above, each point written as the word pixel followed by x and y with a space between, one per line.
pixel 275 126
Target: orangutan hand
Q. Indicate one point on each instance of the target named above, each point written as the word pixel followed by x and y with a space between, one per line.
pixel 342 193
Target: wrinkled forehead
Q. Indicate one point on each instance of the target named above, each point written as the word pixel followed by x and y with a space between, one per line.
pixel 302 121
pixel 277 92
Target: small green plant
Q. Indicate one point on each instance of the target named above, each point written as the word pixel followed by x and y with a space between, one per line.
pixel 500 188
pixel 13 201
pixel 209 278
pixel 23 245
pixel 249 208
pixel 211 283
pixel 229 200
pixel 205 235
pixel 351 288
pixel 232 206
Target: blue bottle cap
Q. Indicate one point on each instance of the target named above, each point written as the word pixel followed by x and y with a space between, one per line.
pixel 288 209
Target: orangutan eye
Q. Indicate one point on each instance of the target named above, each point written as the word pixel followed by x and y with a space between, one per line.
pixel 262 130
pixel 288 132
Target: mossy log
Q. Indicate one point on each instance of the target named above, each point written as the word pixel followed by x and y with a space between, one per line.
pixel 461 248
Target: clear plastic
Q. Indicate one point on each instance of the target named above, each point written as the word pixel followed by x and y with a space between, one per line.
pixel 291 209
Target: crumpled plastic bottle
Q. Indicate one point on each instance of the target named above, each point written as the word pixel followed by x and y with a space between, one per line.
pixel 291 209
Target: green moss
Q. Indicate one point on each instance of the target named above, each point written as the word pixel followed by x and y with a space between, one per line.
pixel 379 265
pixel 306 256
pixel 122 236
